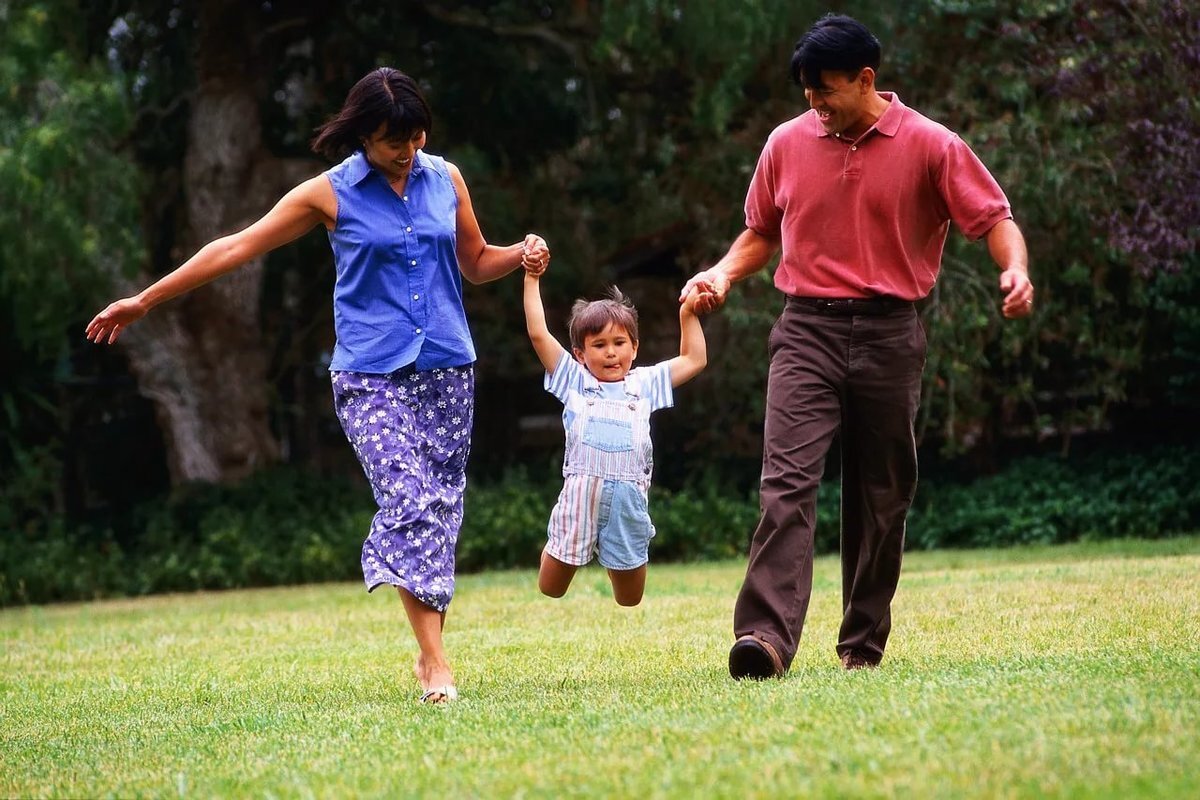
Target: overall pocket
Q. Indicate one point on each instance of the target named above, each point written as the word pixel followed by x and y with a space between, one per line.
pixel 609 435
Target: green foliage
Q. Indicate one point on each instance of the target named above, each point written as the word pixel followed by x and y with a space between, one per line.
pixel 71 194
pixel 504 521
pixel 53 563
pixel 69 222
pixel 1048 501
pixel 1173 367
pixel 279 527
pixel 283 526
pixel 1061 101
pixel 289 526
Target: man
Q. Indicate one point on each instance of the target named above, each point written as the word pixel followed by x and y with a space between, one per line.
pixel 859 192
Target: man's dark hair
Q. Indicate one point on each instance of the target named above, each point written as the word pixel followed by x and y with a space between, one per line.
pixel 836 43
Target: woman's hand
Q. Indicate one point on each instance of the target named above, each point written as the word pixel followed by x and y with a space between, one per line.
pixel 106 326
pixel 535 256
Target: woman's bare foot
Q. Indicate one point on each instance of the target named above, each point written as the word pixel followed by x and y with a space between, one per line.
pixel 434 675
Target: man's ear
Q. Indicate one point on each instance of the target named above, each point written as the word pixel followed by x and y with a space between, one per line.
pixel 866 78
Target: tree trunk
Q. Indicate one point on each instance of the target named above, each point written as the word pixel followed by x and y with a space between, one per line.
pixel 201 359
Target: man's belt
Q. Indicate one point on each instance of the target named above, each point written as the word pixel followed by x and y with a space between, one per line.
pixel 849 306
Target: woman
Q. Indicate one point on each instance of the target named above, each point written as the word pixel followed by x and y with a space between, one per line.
pixel 403 235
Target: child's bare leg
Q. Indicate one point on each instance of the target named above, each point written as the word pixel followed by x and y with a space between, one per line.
pixel 554 577
pixel 628 585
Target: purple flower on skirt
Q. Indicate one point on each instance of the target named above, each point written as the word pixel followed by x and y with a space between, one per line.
pixel 411 431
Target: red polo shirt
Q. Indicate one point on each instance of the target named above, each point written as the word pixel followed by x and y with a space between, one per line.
pixel 868 217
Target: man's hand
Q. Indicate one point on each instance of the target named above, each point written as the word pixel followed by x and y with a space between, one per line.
pixel 1018 293
pixel 711 286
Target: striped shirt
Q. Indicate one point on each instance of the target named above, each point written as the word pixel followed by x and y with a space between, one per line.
pixel 608 426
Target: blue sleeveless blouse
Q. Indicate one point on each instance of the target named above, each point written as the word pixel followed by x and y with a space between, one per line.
pixel 397 298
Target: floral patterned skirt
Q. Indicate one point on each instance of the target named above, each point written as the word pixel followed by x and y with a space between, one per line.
pixel 411 431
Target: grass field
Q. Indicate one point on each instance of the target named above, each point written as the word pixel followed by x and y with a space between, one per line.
pixel 1069 672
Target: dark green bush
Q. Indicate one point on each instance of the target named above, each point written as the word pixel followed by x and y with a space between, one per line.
pixel 1049 500
pixel 51 564
pixel 288 526
pixel 281 526
pixel 504 522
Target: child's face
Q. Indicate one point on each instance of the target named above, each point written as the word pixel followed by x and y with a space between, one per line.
pixel 609 354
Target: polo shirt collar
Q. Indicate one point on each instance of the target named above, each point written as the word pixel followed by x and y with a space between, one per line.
pixel 359 168
pixel 887 124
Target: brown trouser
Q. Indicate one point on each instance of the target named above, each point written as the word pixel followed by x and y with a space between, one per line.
pixel 833 369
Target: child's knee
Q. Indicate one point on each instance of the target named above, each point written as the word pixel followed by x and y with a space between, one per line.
pixel 629 602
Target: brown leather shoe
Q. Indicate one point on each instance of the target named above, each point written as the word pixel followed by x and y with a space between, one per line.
pixel 853 661
pixel 751 657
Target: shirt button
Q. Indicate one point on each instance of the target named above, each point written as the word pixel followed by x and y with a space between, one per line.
pixel 414 263
pixel 416 297
pixel 418 330
pixel 853 147
pixel 406 198
pixel 409 229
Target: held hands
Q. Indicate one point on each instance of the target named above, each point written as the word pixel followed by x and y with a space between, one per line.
pixel 688 305
pixel 106 326
pixel 535 255
pixel 1018 293
pixel 705 291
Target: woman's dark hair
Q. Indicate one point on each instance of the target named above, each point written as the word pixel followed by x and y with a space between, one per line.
pixel 589 317
pixel 836 43
pixel 382 96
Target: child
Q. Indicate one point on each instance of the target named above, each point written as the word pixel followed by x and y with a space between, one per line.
pixel 606 413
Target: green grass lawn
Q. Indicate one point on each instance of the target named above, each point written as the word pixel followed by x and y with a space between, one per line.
pixel 1070 671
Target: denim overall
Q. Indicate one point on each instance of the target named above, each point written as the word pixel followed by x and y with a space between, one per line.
pixel 608 462
pixel 610 437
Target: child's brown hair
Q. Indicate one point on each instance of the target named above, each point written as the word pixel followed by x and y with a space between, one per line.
pixel 589 317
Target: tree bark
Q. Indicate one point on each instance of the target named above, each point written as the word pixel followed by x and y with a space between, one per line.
pixel 201 359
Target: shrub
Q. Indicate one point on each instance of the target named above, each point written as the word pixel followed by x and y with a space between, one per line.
pixel 289 526
pixel 1049 500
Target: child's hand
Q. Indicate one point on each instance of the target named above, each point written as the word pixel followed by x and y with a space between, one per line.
pixel 535 256
pixel 711 286
pixel 689 302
